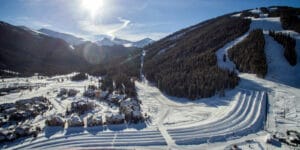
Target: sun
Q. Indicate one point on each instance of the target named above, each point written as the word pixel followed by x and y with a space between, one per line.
pixel 92 6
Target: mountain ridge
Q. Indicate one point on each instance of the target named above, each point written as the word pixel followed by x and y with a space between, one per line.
pixel 101 40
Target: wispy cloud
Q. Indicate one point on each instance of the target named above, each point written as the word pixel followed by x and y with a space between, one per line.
pixel 99 28
pixel 124 25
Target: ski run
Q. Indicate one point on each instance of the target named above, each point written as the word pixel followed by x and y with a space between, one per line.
pixel 244 117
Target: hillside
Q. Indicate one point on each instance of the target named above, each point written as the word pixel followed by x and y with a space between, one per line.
pixel 249 55
pixel 109 41
pixel 71 39
pixel 26 51
pixel 231 82
pixel 185 64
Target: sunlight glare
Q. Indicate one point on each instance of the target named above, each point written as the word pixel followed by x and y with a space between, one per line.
pixel 92 6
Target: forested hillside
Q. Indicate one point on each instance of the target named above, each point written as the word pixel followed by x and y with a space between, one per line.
pixel 184 64
pixel 29 52
pixel 249 55
pixel 289 45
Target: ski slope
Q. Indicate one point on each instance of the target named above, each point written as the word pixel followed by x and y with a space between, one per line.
pixel 243 117
pixel 247 116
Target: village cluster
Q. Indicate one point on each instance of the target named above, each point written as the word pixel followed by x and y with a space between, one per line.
pixel 13 117
pixel 86 107
pixel 129 108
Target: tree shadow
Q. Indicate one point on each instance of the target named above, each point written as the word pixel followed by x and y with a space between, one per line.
pixel 95 130
pixel 49 131
pixel 74 130
pixel 117 127
pixel 137 126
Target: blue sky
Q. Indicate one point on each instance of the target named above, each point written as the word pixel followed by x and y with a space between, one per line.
pixel 128 19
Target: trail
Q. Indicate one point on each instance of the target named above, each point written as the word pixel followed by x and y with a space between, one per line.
pixel 164 112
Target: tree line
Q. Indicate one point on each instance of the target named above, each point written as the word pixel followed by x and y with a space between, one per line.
pixel 288 17
pixel 249 55
pixel 289 45
pixel 189 69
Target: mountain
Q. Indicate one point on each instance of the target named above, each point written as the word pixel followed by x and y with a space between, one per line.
pixel 111 41
pixel 205 59
pixel 95 54
pixel 199 61
pixel 106 41
pixel 71 39
pixel 100 40
pixel 143 42
pixel 27 51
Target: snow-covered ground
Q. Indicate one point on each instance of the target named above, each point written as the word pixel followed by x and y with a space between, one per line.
pixel 244 117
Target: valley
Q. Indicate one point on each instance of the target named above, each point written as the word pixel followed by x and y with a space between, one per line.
pixel 160 96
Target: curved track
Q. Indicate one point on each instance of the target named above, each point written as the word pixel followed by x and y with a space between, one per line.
pixel 246 117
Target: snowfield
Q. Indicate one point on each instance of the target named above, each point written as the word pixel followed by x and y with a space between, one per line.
pixel 243 117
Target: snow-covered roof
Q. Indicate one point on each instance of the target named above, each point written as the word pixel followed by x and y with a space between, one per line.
pixel 115 116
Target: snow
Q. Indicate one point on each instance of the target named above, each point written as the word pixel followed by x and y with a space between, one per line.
pixel 273 8
pixel 143 78
pixel 278 67
pixel 228 64
pixel 72 47
pixel 255 11
pixel 256 23
pixel 11 72
pixel 69 38
pixel 271 23
pixel 247 145
pixel 236 15
pixel 143 42
pixel 32 31
pixel 176 36
pixel 116 41
pixel 127 45
pixel 165 49
pixel 247 114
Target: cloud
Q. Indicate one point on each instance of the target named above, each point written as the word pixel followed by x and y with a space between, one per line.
pixel 124 25
pixel 122 28
pixel 110 29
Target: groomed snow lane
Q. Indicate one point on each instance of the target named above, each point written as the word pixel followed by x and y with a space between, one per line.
pixel 105 139
pixel 247 117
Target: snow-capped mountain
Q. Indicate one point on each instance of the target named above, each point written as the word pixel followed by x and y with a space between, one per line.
pixel 213 62
pixel 71 39
pixel 106 41
pixel 143 42
pixel 100 40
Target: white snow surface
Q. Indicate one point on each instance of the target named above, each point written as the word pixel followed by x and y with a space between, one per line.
pixel 256 11
pixel 228 64
pixel 256 23
pixel 240 118
pixel 236 15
